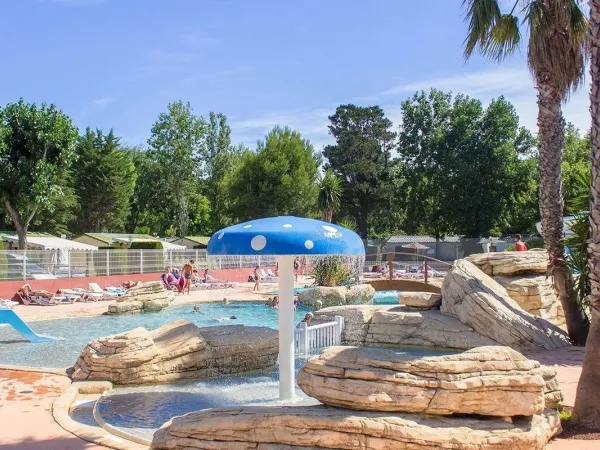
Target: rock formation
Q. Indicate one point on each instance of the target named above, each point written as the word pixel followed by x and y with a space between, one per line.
pixel 361 294
pixel 405 326
pixel 143 297
pixel 177 351
pixel 356 321
pixel 322 427
pixel 491 381
pixel 519 273
pixel 510 263
pixel 420 300
pixel 478 301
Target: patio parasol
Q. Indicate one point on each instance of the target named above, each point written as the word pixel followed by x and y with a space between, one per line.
pixel 416 246
pixel 286 237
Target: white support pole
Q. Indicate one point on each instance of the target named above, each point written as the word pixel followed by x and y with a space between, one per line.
pixel 287 373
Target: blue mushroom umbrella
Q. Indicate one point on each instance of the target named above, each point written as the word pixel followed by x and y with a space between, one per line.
pixel 286 237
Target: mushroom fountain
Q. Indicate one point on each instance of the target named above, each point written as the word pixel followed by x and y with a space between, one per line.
pixel 286 237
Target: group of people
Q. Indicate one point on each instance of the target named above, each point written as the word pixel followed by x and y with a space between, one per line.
pixel 184 279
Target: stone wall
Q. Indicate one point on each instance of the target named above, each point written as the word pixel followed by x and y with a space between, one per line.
pixel 177 351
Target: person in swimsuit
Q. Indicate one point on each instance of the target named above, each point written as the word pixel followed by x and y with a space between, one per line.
pixel 188 271
pixel 256 279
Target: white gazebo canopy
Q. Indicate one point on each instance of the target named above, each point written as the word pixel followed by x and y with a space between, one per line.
pixel 51 243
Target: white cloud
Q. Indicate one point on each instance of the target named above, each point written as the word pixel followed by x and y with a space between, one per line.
pixel 515 84
pixel 101 102
pixel 311 124
pixel 472 83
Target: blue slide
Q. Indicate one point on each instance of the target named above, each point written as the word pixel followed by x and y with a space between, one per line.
pixel 10 317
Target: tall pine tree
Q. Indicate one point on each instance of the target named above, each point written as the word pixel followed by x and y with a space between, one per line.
pixel 104 177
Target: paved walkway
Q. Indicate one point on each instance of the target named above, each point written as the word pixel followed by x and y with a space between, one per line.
pixel 567 363
pixel 26 413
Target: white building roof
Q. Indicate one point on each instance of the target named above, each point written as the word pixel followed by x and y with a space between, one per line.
pixel 171 246
pixel 51 242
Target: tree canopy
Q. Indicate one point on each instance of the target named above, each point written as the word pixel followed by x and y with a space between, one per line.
pixel 278 179
pixel 361 158
pixel 36 150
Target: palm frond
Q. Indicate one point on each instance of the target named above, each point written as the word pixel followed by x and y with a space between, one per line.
pixel 557 42
pixel 482 16
pixel 504 38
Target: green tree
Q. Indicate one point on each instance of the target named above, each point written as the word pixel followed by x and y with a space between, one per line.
pixel 557 31
pixel 361 158
pixel 575 165
pixel 220 160
pixel 36 150
pixel 177 151
pixel 330 192
pixel 104 180
pixel 462 164
pixel 278 179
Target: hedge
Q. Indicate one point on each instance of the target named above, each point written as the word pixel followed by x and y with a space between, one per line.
pixel 148 245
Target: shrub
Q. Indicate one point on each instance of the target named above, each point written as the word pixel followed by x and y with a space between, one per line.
pixel 535 242
pixel 330 271
pixel 147 245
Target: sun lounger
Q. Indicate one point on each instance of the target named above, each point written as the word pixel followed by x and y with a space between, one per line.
pixel 101 294
pixel 271 274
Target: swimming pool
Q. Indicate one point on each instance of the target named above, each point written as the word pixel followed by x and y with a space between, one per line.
pixel 75 333
pixel 380 297
pixel 386 297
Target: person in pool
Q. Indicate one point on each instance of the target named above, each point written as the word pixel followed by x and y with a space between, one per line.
pixel 225 301
pixel 270 302
pixel 196 308
pixel 233 318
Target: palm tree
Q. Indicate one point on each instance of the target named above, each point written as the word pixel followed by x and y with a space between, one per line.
pixel 556 58
pixel 330 192
pixel 587 401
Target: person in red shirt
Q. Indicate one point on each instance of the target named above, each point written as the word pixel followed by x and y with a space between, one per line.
pixel 520 245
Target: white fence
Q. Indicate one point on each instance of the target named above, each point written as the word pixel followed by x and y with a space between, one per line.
pixel 312 339
pixel 50 264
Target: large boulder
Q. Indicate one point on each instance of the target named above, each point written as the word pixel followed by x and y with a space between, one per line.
pixel 420 300
pixel 491 381
pixel 356 320
pixel 402 326
pixel 330 296
pixel 142 297
pixel 535 294
pixel 177 351
pixel 477 300
pixel 360 294
pixel 510 263
pixel 322 427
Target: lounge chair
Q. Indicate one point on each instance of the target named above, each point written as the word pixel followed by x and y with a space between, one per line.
pixel 101 294
pixel 266 277
pixel 271 274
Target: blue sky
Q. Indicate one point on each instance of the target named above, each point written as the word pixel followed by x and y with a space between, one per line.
pixel 117 63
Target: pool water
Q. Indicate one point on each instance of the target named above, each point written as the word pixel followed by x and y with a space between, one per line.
pixel 75 333
pixel 141 410
pixel 386 297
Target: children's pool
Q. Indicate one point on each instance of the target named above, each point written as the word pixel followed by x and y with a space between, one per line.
pixel 75 333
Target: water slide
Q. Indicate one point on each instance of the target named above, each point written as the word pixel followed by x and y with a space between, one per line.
pixel 11 318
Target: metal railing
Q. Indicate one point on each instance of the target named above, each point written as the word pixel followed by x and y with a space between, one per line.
pixel 314 338
pixel 50 264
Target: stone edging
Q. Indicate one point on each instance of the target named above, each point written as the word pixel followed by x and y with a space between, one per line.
pixel 62 406
pixel 49 370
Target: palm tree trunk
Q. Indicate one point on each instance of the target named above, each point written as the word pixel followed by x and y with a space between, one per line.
pixel 550 147
pixel 587 401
